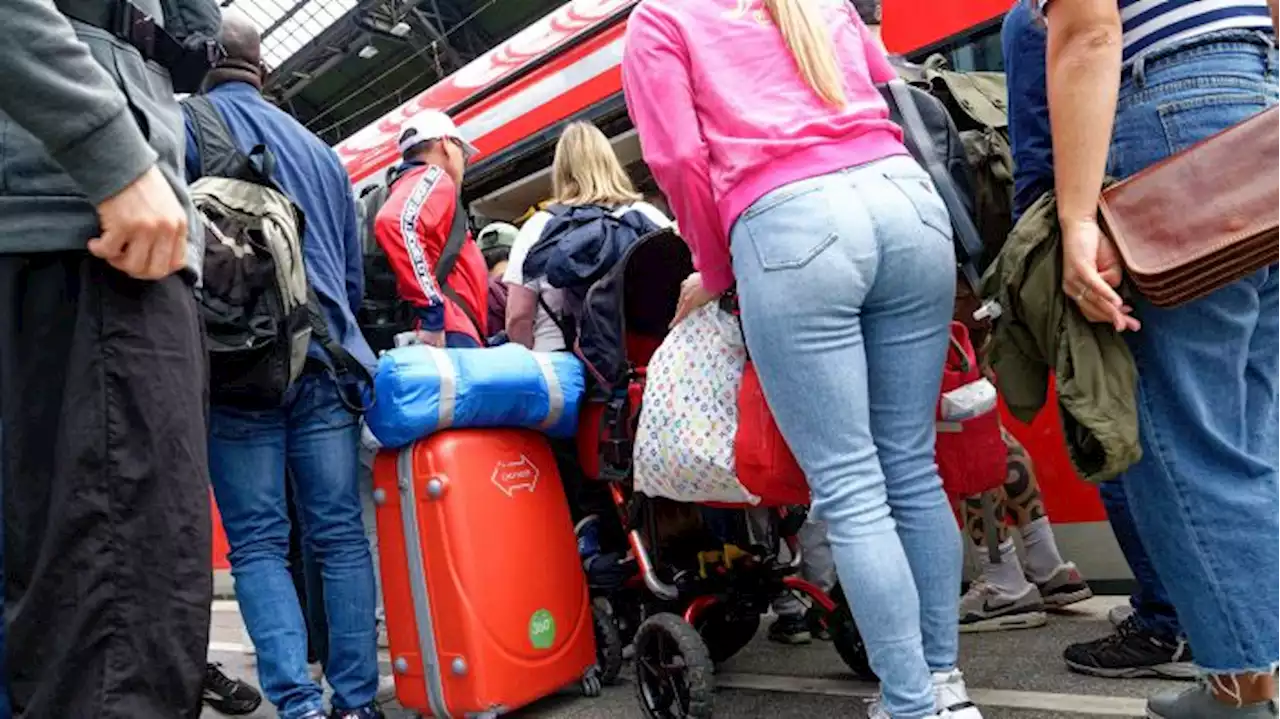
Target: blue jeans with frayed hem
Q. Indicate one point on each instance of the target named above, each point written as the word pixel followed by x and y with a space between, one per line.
pixel 1204 496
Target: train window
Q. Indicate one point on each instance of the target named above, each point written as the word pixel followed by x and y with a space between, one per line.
pixel 981 53
pixel 976 50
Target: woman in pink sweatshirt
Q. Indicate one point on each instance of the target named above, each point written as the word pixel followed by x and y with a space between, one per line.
pixel 762 123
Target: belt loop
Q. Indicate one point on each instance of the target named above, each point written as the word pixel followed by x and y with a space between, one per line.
pixel 1269 51
pixel 1140 72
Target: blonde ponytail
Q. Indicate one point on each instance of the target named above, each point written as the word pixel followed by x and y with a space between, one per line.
pixel 810 43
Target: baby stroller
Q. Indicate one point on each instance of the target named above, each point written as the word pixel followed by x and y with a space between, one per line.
pixel 695 597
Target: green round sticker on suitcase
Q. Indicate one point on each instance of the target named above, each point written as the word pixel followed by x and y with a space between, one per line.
pixel 542 629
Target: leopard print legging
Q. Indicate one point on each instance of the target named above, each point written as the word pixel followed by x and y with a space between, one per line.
pixel 1018 500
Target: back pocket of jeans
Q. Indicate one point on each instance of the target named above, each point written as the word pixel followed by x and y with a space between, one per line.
pixel 919 191
pixel 787 228
pixel 1189 121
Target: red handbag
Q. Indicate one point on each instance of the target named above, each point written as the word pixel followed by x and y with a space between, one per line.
pixel 971 453
pixel 762 459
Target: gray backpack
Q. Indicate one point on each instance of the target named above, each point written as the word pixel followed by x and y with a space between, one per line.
pixel 259 311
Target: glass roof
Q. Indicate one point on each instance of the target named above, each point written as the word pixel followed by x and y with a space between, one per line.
pixel 288 25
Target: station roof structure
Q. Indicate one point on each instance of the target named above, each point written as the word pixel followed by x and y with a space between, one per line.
pixel 338 65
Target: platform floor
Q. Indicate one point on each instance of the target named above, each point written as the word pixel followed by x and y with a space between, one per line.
pixel 1011 675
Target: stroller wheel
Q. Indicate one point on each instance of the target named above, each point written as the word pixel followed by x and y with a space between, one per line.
pixel 608 642
pixel 846 638
pixel 726 633
pixel 674 675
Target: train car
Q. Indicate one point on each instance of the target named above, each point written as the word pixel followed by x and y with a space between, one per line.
pixel 513 101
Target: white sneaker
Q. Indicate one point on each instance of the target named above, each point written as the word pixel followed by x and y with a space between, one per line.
pixel 875 710
pixel 952 697
pixel 986 608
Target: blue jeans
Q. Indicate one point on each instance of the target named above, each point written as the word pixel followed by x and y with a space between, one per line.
pixel 1151 606
pixel 317 439
pixel 846 284
pixel 1204 495
pixel 460 339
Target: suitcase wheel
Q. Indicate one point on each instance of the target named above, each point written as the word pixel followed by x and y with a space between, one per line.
pixel 592 686
pixel 608 642
pixel 674 673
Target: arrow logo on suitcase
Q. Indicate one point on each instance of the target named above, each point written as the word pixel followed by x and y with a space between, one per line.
pixel 520 474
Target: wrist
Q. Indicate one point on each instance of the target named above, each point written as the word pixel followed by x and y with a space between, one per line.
pixel 1070 226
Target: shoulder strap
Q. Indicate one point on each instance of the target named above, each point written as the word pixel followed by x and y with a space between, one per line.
pixel 453 245
pixel 566 328
pixel 449 259
pixel 968 241
pixel 343 362
pixel 219 156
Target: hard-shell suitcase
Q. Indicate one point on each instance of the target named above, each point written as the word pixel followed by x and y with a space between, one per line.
pixel 486 602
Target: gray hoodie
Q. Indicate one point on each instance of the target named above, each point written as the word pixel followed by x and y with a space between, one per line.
pixel 82 116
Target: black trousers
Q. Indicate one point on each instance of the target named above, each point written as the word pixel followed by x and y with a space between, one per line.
pixel 106 494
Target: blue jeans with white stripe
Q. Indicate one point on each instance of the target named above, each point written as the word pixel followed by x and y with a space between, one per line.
pixel 1205 494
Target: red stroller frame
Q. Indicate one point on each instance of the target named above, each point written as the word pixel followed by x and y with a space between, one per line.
pixel 683 622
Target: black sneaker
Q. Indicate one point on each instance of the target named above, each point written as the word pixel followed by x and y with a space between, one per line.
pixel 1130 653
pixel 371 712
pixel 228 696
pixel 790 629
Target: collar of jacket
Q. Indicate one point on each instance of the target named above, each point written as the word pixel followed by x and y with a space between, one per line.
pixel 232 73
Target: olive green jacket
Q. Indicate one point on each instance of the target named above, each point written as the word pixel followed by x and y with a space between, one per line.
pixel 1040 331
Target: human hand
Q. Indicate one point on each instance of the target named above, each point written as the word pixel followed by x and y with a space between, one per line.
pixel 692 296
pixel 1091 269
pixel 420 337
pixel 144 229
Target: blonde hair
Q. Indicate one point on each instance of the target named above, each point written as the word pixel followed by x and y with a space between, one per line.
pixel 587 172
pixel 810 43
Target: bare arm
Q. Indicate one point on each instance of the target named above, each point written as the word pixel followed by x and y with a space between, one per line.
pixel 522 304
pixel 1083 75
pixel 1274 5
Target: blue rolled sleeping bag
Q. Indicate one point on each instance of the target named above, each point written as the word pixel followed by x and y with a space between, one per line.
pixel 423 389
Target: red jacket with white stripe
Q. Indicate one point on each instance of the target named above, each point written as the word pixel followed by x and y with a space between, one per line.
pixel 412 228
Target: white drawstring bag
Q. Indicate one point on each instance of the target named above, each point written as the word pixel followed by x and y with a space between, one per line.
pixel 684 447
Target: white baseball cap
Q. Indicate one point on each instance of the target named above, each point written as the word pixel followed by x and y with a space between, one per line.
pixel 432 125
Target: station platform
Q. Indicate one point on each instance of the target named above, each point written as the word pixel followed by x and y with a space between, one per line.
pixel 1011 675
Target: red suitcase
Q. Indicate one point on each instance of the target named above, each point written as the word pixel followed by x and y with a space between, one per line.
pixel 486 602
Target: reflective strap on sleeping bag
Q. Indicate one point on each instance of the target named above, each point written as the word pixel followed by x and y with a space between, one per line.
pixel 555 395
pixel 448 385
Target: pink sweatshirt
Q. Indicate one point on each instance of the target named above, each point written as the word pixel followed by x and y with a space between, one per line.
pixel 725 117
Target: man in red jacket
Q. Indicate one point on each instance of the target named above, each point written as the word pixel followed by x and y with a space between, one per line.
pixel 414 229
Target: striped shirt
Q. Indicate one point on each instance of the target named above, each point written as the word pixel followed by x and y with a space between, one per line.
pixel 1151 25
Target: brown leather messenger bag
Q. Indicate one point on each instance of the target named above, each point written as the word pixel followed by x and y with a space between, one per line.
pixel 1203 218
